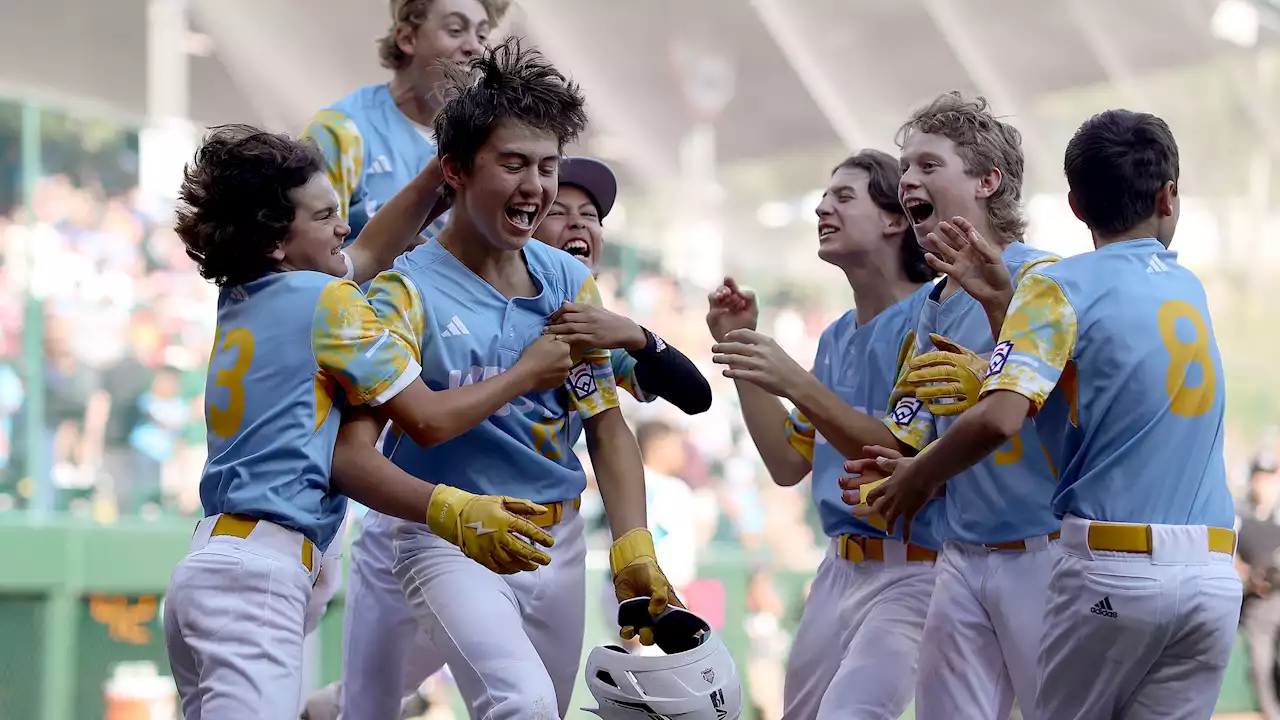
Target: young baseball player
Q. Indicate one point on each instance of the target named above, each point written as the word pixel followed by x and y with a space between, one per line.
pixel 378 137
pixel 295 343
pixel 374 140
pixel 384 656
pixel 855 652
pixel 465 300
pixel 1113 352
pixel 983 631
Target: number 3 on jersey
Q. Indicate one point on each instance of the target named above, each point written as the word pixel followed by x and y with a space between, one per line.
pixel 225 422
pixel 1185 353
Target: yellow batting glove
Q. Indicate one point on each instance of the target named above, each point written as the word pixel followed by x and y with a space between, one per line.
pixel 949 379
pixel 636 574
pixel 488 528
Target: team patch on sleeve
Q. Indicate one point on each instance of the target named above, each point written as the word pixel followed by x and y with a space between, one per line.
pixel 999 356
pixel 581 381
pixel 906 410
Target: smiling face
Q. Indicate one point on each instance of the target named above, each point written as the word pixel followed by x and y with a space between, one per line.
pixel 850 223
pixel 317 232
pixel 573 225
pixel 511 185
pixel 454 30
pixel 935 185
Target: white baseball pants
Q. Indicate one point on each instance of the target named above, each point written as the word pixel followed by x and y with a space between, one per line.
pixel 982 636
pixel 512 642
pixel 1138 635
pixel 233 623
pixel 854 655
pixel 384 655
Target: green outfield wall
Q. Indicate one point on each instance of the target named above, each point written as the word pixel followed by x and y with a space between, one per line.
pixel 80 603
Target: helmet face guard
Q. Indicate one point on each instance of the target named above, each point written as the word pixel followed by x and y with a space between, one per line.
pixel 695 680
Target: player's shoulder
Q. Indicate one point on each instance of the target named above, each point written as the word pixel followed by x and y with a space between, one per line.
pixel 400 274
pixel 345 115
pixel 543 256
pixel 1021 258
pixel 361 101
pixel 291 281
pixel 282 295
pixel 562 269
pixel 841 327
pixel 907 310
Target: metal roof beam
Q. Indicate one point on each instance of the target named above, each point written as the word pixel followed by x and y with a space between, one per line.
pixel 780 21
pixel 1107 52
pixel 962 36
pixel 566 48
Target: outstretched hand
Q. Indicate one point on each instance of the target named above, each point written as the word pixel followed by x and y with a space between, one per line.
pixel 975 263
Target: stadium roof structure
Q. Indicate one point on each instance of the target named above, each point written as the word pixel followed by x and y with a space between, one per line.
pixel 802 74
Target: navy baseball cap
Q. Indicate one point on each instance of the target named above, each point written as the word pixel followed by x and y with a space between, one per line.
pixel 592 176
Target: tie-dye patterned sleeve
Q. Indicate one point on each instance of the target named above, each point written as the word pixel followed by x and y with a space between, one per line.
pixel 371 363
pixel 592 388
pixel 624 375
pixel 343 147
pixel 800 433
pixel 1036 342
pixel 398 305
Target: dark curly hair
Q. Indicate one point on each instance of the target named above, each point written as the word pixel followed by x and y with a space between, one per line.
pixel 983 142
pixel 883 174
pixel 234 208
pixel 507 82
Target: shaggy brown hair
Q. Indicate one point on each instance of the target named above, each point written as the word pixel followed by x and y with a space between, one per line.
pixel 412 14
pixel 234 208
pixel 983 142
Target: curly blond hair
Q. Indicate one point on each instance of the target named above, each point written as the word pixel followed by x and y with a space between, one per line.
pixel 412 14
pixel 983 142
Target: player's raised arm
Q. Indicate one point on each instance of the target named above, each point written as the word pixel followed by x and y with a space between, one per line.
pixel 663 371
pixel 763 373
pixel 787 451
pixel 975 263
pixel 342 145
pixel 397 224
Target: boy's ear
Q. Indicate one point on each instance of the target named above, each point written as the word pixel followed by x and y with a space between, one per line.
pixel 453 175
pixel 989 183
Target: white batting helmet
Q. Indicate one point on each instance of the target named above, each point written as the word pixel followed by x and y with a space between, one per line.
pixel 695 680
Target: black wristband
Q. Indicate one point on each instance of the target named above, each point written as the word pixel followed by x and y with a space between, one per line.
pixel 653 345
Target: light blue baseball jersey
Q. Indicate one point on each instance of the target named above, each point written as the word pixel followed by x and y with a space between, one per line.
pixel 1006 496
pixel 1122 336
pixel 372 151
pixel 466 332
pixel 860 365
pixel 289 347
